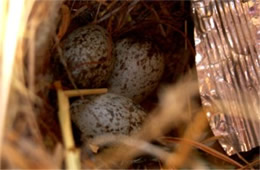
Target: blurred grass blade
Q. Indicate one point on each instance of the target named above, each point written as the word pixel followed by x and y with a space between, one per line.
pixel 11 25
pixel 204 148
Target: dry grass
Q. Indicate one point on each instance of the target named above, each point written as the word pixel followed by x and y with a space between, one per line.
pixel 31 137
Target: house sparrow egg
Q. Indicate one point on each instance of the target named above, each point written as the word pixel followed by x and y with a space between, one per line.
pixel 88 54
pixel 138 69
pixel 106 114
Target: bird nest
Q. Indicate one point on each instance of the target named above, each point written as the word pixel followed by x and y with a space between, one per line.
pixel 36 129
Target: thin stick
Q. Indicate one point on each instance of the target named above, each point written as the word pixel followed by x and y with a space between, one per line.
pixel 157 18
pixel 80 10
pixel 255 162
pixel 204 148
pixel 211 139
pixel 244 160
pixel 60 52
pixel 185 27
pixel 74 93
pixel 96 16
pixel 72 154
pixel 72 5
pixel 108 7
pixel 109 14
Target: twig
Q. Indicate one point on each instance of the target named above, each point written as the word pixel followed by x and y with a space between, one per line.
pixel 255 162
pixel 164 22
pixel 111 13
pixel 74 93
pixel 157 18
pixel 80 10
pixel 109 6
pixel 243 159
pixel 123 17
pixel 211 139
pixel 62 60
pixel 185 31
pixel 98 9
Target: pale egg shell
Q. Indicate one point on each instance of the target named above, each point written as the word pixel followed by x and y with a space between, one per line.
pixel 88 54
pixel 106 114
pixel 138 69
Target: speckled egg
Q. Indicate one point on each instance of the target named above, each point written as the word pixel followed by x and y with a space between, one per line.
pixel 106 114
pixel 138 68
pixel 88 54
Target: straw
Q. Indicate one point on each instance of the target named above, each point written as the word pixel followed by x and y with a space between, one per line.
pixel 75 93
pixel 72 154
pixel 12 12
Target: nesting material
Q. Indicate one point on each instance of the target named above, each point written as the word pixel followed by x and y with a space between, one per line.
pixel 34 103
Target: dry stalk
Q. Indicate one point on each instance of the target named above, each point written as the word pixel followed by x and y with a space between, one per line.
pixel 112 12
pixel 211 139
pixel 244 160
pixel 77 92
pixel 80 10
pixel 62 60
pixel 13 17
pixel 202 147
pixel 97 13
pixel 251 164
pixel 72 154
pixel 157 18
pixel 109 6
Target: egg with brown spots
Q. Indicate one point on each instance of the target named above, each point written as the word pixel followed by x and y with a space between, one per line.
pixel 87 52
pixel 138 69
pixel 106 114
